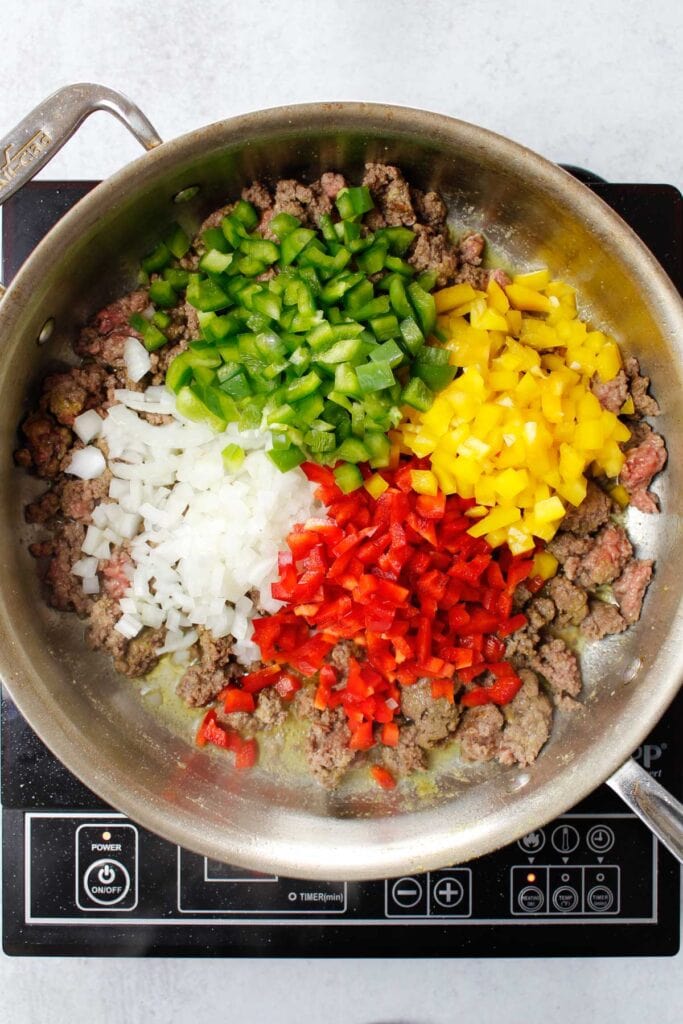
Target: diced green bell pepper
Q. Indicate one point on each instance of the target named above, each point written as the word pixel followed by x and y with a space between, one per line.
pixel 424 306
pixel 417 394
pixel 374 377
pixel 348 477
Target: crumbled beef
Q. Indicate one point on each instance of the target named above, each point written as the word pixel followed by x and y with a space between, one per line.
pixel 258 195
pixel 471 249
pixel 603 620
pixel 609 552
pixel 613 393
pixel 47 442
pixel 643 462
pixel 591 514
pixel 560 667
pixel 629 589
pixel 199 686
pixel 340 654
pixel 527 723
pixel 540 612
pixel 521 597
pixel 66 395
pixel 645 405
pixel 407 756
pixel 64 590
pixel 271 711
pixel 217 667
pixel 570 601
pixel 521 646
pixel 433 250
pixel 435 720
pixel 569 549
pixel 479 277
pixel 214 220
pixel 327 752
pixel 391 194
pixel 104 338
pixel 117 572
pixel 141 653
pixel 101 635
pixel 430 208
pixel 44 508
pixel 78 498
pixel 480 733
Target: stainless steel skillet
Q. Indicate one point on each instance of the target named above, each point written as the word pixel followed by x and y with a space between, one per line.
pixel 533 213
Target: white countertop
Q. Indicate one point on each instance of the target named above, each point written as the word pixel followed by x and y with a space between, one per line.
pixel 594 84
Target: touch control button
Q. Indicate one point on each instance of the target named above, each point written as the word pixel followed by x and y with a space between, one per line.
pixel 531 899
pixel 565 899
pixel 600 898
pixel 406 892
pixel 448 892
pixel 106 882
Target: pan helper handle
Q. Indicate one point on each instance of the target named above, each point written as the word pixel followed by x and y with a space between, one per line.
pixel 27 148
pixel 661 812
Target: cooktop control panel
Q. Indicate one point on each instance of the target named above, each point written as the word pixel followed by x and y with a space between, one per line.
pixel 83 866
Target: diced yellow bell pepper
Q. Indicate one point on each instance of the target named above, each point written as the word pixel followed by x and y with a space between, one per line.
pixel 497 298
pixel 449 298
pixel 628 408
pixel 620 495
pixel 545 565
pixel 375 485
pixel 510 482
pixel 495 520
pixel 423 481
pixel 608 362
pixel 525 298
pixel 535 279
pixel 549 509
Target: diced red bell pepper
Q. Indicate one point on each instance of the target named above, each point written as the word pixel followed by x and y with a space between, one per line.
pixel 390 734
pixel 287 685
pixel 246 755
pixel 442 688
pixel 382 777
pixel 235 699
pixel 308 658
pixel 255 681
pixel 361 737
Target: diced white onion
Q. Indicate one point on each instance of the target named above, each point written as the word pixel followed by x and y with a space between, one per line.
pixel 85 567
pixel 87 463
pixel 87 426
pixel 128 626
pixel 136 358
pixel 91 585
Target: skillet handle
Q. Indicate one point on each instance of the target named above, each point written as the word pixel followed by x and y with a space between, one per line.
pixel 662 814
pixel 27 148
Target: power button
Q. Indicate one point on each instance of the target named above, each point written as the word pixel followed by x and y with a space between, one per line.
pixel 106 866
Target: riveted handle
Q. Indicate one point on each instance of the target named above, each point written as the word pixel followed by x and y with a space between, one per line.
pixel 661 812
pixel 42 133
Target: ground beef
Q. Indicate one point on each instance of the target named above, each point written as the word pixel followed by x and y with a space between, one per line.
pixel 645 405
pixel 327 748
pixel 480 733
pixel 407 756
pixel 140 654
pixel 199 687
pixel 613 393
pixel 560 667
pixel 527 723
pixel 435 720
pixel 608 555
pixel 643 462
pixel 258 195
pixel 47 442
pixel 430 208
pixel 630 588
pixel 66 395
pixel 471 249
pixel 44 508
pixel 433 250
pixel 116 573
pixel 521 646
pixel 103 339
pixel 101 635
pixel 78 498
pixel 541 611
pixel 64 590
pixel 570 601
pixel 341 652
pixel 271 711
pixel 391 194
pixel 591 514
pixel 603 620
pixel 569 549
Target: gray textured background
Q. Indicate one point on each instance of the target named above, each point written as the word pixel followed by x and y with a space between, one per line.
pixel 597 84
